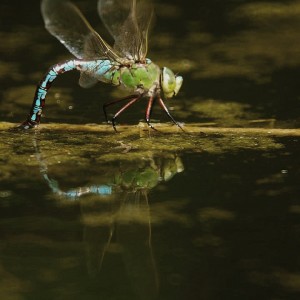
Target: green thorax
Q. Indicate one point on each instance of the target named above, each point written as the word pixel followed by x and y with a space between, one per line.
pixel 137 75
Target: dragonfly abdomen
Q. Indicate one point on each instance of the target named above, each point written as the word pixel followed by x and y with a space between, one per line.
pixel 101 69
pixel 42 89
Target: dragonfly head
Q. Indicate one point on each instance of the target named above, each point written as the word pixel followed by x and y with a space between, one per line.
pixel 170 83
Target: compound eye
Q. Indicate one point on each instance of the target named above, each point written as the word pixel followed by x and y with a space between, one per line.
pixel 168 82
pixel 179 81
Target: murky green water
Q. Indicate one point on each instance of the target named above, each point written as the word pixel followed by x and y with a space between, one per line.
pixel 212 213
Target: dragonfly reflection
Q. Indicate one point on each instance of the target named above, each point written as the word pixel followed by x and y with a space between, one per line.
pixel 116 214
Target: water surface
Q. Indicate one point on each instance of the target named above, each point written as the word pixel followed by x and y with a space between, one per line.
pixel 212 213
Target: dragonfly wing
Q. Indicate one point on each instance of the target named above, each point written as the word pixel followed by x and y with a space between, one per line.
pixel 128 21
pixel 65 21
pixel 87 80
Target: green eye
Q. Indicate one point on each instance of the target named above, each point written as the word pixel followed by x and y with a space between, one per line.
pixel 170 83
pixel 179 81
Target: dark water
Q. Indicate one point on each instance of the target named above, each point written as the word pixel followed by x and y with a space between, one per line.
pixel 87 214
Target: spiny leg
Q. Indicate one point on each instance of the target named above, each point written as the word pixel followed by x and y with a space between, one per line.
pixel 149 110
pixel 110 103
pixel 113 120
pixel 162 104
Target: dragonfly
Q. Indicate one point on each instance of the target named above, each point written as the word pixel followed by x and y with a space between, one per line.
pixel 124 64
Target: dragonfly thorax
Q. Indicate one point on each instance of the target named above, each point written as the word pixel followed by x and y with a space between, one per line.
pixel 141 77
pixel 147 78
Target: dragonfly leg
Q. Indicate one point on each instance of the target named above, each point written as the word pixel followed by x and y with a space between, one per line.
pixel 162 104
pixel 149 110
pixel 132 98
pixel 111 103
pixel 34 116
pixel 113 120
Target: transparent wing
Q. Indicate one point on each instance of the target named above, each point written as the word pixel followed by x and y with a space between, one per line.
pixel 128 21
pixel 65 21
pixel 87 80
